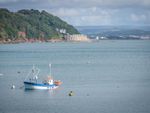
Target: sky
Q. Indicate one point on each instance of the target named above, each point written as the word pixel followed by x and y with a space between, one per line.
pixel 89 12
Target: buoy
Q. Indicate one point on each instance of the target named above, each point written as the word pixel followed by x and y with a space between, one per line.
pixel 13 87
pixel 71 93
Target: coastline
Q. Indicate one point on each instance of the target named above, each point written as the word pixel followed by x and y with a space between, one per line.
pixel 59 40
pixel 67 38
pixel 55 40
pixel 29 41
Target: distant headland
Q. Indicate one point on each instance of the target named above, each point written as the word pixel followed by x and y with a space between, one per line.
pixel 35 26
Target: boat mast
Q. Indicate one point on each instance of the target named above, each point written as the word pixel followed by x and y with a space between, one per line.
pixel 30 73
pixel 50 70
pixel 34 73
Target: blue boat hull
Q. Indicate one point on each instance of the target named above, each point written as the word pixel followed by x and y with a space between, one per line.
pixel 31 85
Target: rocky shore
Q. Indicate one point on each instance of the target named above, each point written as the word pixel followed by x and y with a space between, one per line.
pixel 25 40
pixel 29 41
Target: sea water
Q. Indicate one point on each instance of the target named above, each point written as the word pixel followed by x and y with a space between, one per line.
pixel 109 76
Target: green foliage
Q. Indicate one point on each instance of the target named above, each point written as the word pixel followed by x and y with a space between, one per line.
pixel 33 23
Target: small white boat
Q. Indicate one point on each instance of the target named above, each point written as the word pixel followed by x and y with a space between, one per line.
pixel 32 82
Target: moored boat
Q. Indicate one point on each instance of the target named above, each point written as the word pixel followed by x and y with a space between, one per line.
pixel 32 82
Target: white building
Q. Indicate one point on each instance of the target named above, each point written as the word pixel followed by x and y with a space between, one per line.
pixel 77 37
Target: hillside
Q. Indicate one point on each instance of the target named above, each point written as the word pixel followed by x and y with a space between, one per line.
pixel 32 24
pixel 122 32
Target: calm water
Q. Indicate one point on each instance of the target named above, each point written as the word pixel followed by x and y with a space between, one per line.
pixel 106 77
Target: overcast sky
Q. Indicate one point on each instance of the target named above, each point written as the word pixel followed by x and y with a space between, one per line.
pixel 89 12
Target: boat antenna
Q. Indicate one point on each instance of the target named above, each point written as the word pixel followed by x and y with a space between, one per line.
pixel 50 70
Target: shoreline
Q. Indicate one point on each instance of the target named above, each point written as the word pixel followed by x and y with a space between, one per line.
pixel 58 40
pixel 41 41
pixel 29 41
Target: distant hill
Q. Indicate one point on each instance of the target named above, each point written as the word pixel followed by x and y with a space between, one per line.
pixel 116 32
pixel 32 24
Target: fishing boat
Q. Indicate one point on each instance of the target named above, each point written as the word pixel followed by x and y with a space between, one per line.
pixel 32 81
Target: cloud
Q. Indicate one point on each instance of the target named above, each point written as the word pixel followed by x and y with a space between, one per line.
pixel 80 3
pixel 100 3
pixel 89 12
pixel 100 16
pixel 8 1
pixel 82 16
pixel 137 18
pixel 141 18
pixel 61 12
